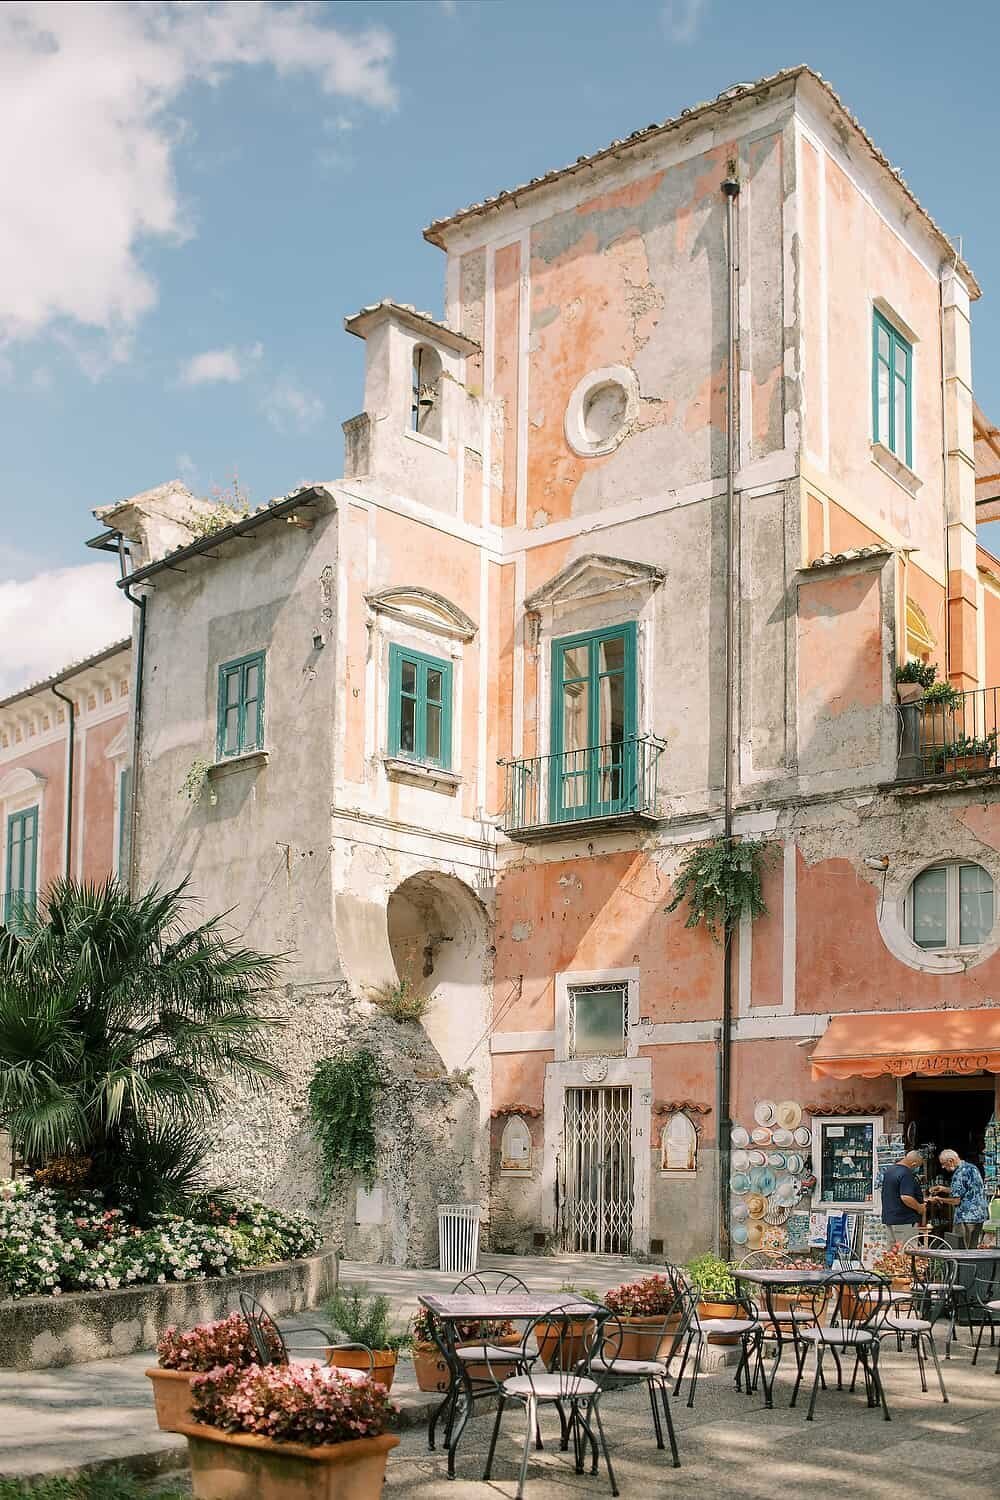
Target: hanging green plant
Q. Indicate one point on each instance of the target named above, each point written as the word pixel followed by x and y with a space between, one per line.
pixel 721 880
pixel 342 1097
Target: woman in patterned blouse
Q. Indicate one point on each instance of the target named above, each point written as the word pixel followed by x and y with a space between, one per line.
pixel 967 1192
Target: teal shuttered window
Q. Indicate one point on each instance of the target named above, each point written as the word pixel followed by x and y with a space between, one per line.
pixel 419 707
pixel 593 764
pixel 892 389
pixel 241 706
pixel 21 887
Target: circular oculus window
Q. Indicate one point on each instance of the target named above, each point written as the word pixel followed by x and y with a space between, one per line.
pixel 600 410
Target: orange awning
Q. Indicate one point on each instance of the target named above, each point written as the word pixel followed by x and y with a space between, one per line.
pixel 929 1042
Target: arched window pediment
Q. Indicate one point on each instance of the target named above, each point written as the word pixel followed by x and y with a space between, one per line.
pixel 425 610
pixel 19 781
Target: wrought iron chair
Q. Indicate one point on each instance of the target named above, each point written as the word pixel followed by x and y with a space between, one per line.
pixel 939 1284
pixel 853 1329
pixel 573 1384
pixel 650 1363
pixel 273 1348
pixel 746 1326
pixel 912 1316
pixel 471 1364
pixel 985 1300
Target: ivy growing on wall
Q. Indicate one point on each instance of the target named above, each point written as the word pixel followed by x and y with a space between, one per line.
pixel 721 880
pixel 342 1096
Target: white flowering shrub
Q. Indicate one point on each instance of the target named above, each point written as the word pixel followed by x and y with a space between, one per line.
pixel 51 1243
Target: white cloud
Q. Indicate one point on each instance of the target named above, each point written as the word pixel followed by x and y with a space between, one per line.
pixel 56 618
pixel 219 365
pixel 88 96
pixel 290 408
pixel 682 19
pixel 450 7
pixel 187 469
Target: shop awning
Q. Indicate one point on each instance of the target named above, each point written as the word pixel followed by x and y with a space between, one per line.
pixel 929 1042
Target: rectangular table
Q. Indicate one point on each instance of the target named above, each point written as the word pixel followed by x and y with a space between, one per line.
pixel 800 1279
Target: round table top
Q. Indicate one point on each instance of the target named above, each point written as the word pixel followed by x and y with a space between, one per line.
pixel 814 1276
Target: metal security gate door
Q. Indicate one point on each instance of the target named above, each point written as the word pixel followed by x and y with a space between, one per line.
pixel 597 1144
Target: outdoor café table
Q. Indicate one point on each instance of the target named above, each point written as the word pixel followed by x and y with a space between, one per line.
pixel 971 1264
pixel 462 1307
pixel 773 1281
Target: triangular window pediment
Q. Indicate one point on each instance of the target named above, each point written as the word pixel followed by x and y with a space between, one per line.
pixel 589 577
pixel 425 610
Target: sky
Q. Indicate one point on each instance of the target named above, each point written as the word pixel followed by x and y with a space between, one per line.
pixel 195 195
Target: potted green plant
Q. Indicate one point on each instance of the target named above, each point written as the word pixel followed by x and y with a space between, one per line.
pixel 713 1280
pixel 429 1366
pixel 649 1321
pixel 561 1344
pixel 278 1432
pixel 364 1320
pixel 182 1354
pixel 913 678
pixel 969 753
pixel 937 710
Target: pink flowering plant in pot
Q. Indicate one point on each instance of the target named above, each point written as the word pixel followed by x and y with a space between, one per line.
pixel 649 1320
pixel 183 1353
pixel 267 1431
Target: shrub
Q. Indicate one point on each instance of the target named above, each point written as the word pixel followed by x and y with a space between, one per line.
pixel 342 1095
pixel 210 1345
pixel 923 672
pixel 364 1319
pixel 941 694
pixel 651 1297
pixel 290 1404
pixel 721 880
pixel 711 1276
pixel 401 1001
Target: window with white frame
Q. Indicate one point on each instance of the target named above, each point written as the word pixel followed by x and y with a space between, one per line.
pixel 950 906
pixel 598 1020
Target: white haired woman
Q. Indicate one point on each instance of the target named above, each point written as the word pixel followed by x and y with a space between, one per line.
pixel 967 1192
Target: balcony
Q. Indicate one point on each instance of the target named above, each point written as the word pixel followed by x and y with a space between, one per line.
pixel 951 740
pixel 600 787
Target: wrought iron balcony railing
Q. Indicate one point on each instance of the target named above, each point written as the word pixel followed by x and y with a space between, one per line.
pixel 614 781
pixel 18 909
pixel 956 737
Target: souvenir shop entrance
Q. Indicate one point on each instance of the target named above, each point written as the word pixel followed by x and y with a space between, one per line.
pixel 955 1114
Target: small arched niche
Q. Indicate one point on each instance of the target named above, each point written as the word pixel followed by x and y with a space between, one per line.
pixel 515 1148
pixel 679 1146
pixel 425 399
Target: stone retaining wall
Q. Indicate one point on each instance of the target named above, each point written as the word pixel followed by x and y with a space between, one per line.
pixel 39 1332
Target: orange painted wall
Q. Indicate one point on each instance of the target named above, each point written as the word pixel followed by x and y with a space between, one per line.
pixel 506 273
pixel 99 831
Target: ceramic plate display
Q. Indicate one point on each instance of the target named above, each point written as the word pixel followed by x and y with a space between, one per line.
pixel 755 1234
pixel 738 1234
pixel 788 1114
pixel 756 1205
pixel 776 1159
pixel 739 1182
pixel 764 1112
pixel 782 1137
pixel 768 1181
pixel 761 1136
pixel 738 1211
pixel 739 1136
pixel 757 1158
pixel 803 1135
pixel 740 1160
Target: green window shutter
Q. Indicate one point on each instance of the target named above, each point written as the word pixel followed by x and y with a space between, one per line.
pixel 593 727
pixel 21 887
pixel 124 789
pixel 892 389
pixel 420 707
pixel 240 725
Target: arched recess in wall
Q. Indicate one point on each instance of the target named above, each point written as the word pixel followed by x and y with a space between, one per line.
pixel 921 642
pixel 439 940
pixel 425 401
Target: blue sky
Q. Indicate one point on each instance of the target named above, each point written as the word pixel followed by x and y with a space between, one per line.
pixel 198 195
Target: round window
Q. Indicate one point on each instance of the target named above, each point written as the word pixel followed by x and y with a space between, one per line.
pixel 600 410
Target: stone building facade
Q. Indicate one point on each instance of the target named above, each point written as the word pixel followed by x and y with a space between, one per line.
pixel 626 552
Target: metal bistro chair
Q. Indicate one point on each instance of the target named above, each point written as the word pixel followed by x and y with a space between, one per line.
pixel 853 1329
pixel 466 1387
pixel 274 1349
pixel 573 1385
pixel 911 1316
pixel 985 1299
pixel 652 1365
pixel 746 1325
pixel 939 1286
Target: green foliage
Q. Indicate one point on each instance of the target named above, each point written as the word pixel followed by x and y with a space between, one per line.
pixel 363 1319
pixel 941 695
pixel 196 780
pixel 967 744
pixel 923 672
pixel 107 1485
pixel 401 1001
pixel 342 1097
pixel 711 1276
pixel 585 1293
pixel 721 880
pixel 122 1029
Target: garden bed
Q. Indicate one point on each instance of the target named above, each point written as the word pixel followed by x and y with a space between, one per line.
pixel 39 1332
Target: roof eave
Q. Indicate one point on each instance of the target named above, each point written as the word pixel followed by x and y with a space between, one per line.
pixel 65 674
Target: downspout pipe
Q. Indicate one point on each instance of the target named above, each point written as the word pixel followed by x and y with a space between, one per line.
pixel 730 189
pixel 139 601
pixel 70 753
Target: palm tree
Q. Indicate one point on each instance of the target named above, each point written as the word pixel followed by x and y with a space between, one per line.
pixel 122 1030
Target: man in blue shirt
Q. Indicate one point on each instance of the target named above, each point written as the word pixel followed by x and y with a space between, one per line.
pixel 903 1208
pixel 967 1192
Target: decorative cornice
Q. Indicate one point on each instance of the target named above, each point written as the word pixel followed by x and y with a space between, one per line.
pixel 593 575
pixel 529 1111
pixel 423 609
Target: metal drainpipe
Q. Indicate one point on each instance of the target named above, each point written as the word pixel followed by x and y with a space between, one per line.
pixel 70 745
pixel 730 188
pixel 139 600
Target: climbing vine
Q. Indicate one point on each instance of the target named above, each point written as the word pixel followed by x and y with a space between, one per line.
pixel 342 1096
pixel 721 880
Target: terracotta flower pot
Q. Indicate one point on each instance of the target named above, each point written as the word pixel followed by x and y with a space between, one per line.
pixel 493 1371
pixel 955 765
pixel 909 692
pixel 648 1337
pixel 383 1369
pixel 719 1310
pixel 238 1466
pixel 574 1341
pixel 172 1397
pixel 429 1368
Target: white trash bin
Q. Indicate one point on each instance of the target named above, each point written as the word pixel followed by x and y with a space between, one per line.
pixel 458 1237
